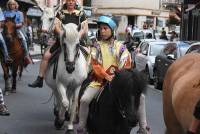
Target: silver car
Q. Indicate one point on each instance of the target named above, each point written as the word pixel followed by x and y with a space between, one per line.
pixel 145 56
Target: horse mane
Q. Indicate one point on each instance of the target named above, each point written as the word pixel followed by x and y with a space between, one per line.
pixel 71 33
pixel 128 82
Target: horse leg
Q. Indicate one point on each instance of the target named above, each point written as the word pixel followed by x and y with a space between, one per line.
pixel 6 78
pixel 14 76
pixel 56 103
pixel 73 112
pixel 171 122
pixel 20 71
pixel 59 121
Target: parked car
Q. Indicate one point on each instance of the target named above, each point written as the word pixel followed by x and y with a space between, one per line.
pixel 139 35
pixel 146 52
pixel 194 48
pixel 168 55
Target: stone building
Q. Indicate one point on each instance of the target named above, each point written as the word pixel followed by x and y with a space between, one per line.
pixel 134 12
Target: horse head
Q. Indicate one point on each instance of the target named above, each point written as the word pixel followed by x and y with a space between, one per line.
pixel 48 19
pixel 126 89
pixel 70 44
pixel 9 28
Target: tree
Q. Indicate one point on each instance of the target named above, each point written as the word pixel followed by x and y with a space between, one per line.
pixel 172 21
pixel 87 3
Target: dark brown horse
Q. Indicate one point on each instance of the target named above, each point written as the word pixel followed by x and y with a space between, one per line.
pixel 15 52
pixel 181 92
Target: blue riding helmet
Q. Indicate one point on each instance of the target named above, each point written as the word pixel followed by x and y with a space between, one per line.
pixel 107 20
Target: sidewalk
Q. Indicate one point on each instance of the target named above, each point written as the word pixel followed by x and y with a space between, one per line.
pixel 35 50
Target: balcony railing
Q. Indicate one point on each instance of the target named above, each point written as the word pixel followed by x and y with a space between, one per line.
pixel 168 2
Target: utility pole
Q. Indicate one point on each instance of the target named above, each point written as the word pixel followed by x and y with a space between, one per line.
pixel 184 21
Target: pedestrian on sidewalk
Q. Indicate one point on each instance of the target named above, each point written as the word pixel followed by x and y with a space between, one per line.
pixel 3 107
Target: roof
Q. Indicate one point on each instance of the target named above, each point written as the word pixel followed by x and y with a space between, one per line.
pixel 32 2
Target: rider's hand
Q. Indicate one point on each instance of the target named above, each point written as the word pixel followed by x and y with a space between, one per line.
pixel 109 77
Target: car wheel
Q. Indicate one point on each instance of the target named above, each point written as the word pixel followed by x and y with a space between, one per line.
pixel 157 84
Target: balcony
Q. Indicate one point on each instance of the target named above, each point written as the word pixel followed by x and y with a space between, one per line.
pixel 171 2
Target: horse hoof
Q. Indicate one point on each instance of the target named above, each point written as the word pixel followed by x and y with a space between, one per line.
pixel 58 123
pixel 55 112
pixel 68 131
pixel 13 91
pixel 6 93
pixel 67 116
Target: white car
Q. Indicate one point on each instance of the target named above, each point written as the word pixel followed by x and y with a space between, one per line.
pixel 145 56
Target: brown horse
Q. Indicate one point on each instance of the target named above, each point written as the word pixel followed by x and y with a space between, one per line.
pixel 181 92
pixel 15 52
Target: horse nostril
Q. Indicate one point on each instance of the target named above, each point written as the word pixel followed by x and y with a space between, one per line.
pixel 44 30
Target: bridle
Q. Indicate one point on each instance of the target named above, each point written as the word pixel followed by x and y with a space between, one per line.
pixel 70 65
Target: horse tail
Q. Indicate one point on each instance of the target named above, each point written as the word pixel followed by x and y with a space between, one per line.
pixel 48 99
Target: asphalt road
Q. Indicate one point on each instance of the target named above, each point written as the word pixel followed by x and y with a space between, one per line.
pixel 30 116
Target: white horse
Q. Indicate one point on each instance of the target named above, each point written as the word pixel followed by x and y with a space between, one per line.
pixel 72 70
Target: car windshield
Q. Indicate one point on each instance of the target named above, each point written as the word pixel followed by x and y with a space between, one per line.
pixel 194 49
pixel 156 49
pixel 183 49
pixel 139 35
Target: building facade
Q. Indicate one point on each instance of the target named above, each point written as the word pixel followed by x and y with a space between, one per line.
pixel 134 12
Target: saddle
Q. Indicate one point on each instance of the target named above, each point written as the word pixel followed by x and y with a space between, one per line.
pixel 54 61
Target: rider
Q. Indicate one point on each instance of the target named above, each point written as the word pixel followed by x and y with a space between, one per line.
pixel 12 10
pixel 2 41
pixel 3 107
pixel 68 14
pixel 106 55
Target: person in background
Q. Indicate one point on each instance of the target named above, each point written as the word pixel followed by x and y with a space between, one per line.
pixel 29 32
pixel 106 54
pixel 12 11
pixel 3 45
pixel 174 36
pixel 68 14
pixel 3 107
pixel 163 36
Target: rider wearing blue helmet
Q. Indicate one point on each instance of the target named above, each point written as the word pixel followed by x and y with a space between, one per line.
pixel 106 55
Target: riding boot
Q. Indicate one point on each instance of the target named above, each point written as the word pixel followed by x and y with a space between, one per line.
pixel 37 83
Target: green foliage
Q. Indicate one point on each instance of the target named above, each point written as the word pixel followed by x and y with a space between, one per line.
pixel 173 21
pixel 87 3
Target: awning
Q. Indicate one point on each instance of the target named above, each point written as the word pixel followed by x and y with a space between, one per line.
pixel 34 12
pixel 28 2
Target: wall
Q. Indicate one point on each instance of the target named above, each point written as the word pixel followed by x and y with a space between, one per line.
pixel 144 4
